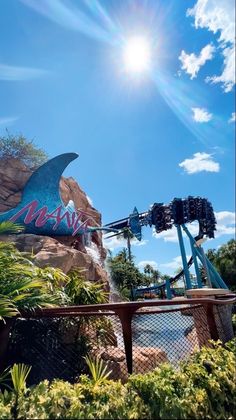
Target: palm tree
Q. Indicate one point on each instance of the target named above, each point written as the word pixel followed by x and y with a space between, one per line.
pixel 148 269
pixel 128 235
pixel 153 274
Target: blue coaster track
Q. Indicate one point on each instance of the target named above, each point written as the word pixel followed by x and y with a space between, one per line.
pixel 177 214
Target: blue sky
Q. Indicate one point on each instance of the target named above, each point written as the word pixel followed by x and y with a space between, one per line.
pixel 141 138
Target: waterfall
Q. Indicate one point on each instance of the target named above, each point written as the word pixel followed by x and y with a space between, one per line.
pixel 93 251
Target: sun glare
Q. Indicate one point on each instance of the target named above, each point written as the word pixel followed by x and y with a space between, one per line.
pixel 137 55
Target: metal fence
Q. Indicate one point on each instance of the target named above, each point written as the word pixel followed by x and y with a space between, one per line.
pixel 129 337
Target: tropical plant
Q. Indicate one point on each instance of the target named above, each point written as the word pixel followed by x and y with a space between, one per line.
pixel 23 286
pixel 84 292
pixel 19 373
pixel 98 370
pixel 128 235
pixel 125 274
pixel 8 227
pixel 18 147
pixel 153 275
pixel 7 308
pixel 5 379
pixel 224 260
pixel 201 387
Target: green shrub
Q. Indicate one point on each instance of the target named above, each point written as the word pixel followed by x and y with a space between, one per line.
pixel 202 387
pixel 18 147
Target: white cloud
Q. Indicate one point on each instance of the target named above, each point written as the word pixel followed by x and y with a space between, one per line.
pixel 142 264
pixel 218 17
pixel 172 236
pixel 201 115
pixel 225 217
pixel 175 263
pixel 225 225
pixel 13 73
pixel 232 118
pixel 7 120
pixel 192 63
pixel 115 242
pixel 200 162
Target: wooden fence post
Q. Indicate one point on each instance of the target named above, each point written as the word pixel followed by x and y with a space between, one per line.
pixel 125 315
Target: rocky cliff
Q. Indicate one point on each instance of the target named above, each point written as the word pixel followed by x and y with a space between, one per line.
pixel 62 252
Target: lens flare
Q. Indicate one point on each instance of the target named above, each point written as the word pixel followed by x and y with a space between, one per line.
pixel 137 55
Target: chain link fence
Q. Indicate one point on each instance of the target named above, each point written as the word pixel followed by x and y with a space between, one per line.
pixel 128 337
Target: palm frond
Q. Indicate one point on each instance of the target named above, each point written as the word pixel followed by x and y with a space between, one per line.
pixel 7 308
pixel 8 227
pixel 5 378
pixel 19 373
pixel 98 369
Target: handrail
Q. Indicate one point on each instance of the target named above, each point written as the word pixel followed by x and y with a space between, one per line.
pixel 125 311
pixel 127 306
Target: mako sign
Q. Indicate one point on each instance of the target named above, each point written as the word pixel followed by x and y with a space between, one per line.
pixel 41 210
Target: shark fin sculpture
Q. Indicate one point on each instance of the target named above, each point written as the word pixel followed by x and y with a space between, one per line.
pixel 41 210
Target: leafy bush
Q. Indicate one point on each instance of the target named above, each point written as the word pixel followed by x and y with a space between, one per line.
pixel 203 387
pixel 19 147
pixel 83 292
pixel 25 286
pixel 37 342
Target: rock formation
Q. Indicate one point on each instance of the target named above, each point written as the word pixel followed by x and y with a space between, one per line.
pixel 61 252
pixel 145 359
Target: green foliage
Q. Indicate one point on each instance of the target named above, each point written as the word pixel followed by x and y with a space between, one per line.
pixel 154 276
pixel 224 260
pixel 108 400
pixel 23 285
pixel 203 387
pixel 19 373
pixel 9 227
pixel 83 292
pixel 7 308
pixel 125 274
pixel 5 378
pixel 98 370
pixel 19 147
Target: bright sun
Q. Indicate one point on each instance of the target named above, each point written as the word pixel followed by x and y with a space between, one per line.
pixel 137 55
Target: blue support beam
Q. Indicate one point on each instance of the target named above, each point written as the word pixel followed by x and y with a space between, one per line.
pixel 184 258
pixel 197 271
pixel 168 289
pixel 218 281
pixel 208 276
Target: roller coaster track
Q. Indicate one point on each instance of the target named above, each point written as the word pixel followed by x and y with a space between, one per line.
pixel 163 285
pixel 164 217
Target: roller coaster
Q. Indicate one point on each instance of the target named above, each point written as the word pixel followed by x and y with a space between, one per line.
pixel 177 214
pixel 42 212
